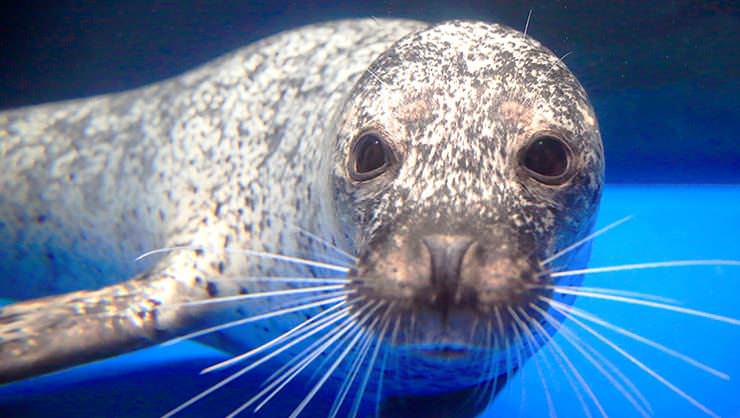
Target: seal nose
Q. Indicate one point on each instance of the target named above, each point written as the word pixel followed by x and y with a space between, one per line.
pixel 446 253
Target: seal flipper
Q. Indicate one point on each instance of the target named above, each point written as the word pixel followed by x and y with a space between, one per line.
pixel 468 402
pixel 43 335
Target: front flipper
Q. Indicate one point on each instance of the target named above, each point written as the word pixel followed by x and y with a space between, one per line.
pixel 464 403
pixel 52 333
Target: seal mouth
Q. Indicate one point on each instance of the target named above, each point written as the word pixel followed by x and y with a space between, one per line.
pixel 445 351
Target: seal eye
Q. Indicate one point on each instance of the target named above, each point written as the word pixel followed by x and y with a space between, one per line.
pixel 547 159
pixel 371 156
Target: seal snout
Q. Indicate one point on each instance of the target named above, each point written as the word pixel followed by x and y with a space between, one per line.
pixel 448 273
pixel 446 254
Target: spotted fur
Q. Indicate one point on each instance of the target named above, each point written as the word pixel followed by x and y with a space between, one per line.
pixel 237 152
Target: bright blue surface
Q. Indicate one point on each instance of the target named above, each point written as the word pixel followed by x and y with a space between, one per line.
pixel 670 223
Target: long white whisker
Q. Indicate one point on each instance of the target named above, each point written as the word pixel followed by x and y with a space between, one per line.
pixel 566 373
pixel 652 265
pixel 373 357
pixel 394 336
pixel 364 348
pixel 673 353
pixel 570 338
pixel 573 369
pixel 632 301
pixel 532 343
pixel 295 370
pixel 272 293
pixel 333 367
pixel 244 370
pixel 503 345
pixel 586 239
pixel 247 279
pixel 298 368
pixel 304 326
pixel 613 292
pixel 319 323
pixel 614 369
pixel 526 26
pixel 519 358
pixel 480 390
pixel 637 363
pixel 262 254
pixel 299 363
pixel 257 318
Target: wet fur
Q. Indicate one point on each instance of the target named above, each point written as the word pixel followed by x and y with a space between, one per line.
pixel 236 154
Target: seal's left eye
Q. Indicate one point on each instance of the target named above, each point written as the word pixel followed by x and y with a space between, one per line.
pixel 371 156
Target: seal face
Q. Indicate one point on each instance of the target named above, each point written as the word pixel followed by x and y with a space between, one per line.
pixel 466 156
pixel 453 162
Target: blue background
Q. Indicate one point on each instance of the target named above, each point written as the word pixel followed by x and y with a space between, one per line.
pixel 664 81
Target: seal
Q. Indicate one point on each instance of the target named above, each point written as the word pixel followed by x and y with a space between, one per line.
pixel 387 191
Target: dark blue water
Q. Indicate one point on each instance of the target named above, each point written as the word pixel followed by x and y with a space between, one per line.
pixel 670 223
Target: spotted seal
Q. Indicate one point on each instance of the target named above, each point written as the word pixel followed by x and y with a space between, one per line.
pixel 384 190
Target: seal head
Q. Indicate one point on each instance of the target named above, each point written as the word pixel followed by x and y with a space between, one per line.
pixel 465 156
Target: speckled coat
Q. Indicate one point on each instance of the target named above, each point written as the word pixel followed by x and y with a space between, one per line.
pixel 237 152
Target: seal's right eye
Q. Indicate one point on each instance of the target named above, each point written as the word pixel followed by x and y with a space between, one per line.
pixel 371 157
pixel 547 159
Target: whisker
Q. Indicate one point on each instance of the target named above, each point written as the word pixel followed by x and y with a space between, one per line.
pixel 247 279
pixel 294 371
pixel 532 343
pixel 299 362
pixel 586 239
pixel 673 353
pixel 262 254
pixel 613 292
pixel 272 293
pixel 627 382
pixel 246 369
pixel 637 363
pixel 579 395
pixel 614 369
pixel 480 390
pixel 569 337
pixel 505 344
pixel 652 265
pixel 373 357
pixel 526 26
pixel 364 347
pixel 495 365
pixel 257 318
pixel 394 336
pixel 519 358
pixel 573 369
pixel 304 326
pixel 657 305
pixel 333 367
pixel 311 325
pixel 298 368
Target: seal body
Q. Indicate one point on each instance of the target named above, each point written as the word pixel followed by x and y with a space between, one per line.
pixel 436 167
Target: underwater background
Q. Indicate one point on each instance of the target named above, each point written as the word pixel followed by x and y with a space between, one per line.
pixel 664 78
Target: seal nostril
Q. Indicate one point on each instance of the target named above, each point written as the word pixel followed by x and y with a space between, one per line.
pixel 446 254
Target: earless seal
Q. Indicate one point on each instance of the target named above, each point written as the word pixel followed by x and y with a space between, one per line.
pixel 378 205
